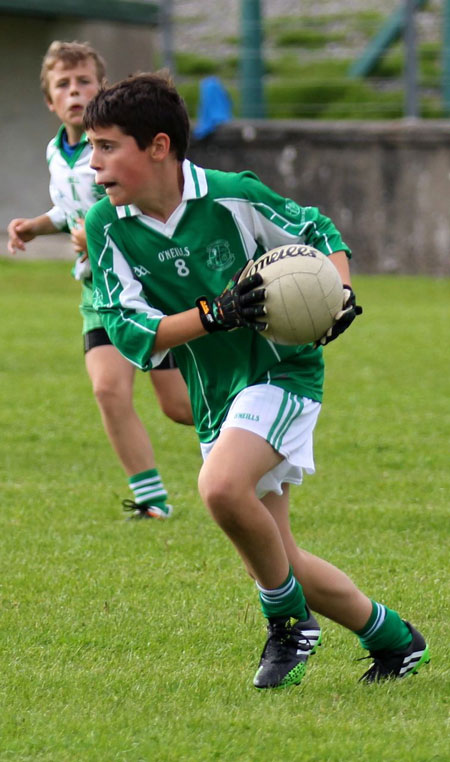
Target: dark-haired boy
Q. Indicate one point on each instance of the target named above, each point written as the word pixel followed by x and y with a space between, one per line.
pixel 170 235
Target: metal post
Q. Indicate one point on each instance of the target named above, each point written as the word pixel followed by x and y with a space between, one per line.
pixel 252 100
pixel 389 33
pixel 446 59
pixel 166 20
pixel 411 99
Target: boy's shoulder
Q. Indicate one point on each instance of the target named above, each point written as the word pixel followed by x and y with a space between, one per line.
pixel 102 212
pixel 53 146
pixel 236 184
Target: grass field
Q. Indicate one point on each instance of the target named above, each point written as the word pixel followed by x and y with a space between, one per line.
pixel 137 642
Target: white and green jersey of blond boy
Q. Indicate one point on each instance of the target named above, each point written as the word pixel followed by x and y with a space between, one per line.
pixel 73 191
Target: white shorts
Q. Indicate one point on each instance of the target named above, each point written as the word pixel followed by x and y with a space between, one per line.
pixel 285 421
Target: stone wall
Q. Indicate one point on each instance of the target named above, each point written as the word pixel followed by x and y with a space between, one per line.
pixel 385 185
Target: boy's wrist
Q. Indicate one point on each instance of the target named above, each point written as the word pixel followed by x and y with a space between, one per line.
pixel 206 312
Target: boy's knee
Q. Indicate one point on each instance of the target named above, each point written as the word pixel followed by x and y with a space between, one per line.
pixel 218 491
pixel 110 397
pixel 177 410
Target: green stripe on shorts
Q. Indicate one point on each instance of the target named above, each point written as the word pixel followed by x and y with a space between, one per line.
pixel 291 407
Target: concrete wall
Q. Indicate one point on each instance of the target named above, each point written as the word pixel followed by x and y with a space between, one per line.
pixel 385 185
pixel 26 125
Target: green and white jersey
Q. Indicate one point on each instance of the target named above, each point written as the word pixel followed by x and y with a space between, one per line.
pixel 144 269
pixel 73 189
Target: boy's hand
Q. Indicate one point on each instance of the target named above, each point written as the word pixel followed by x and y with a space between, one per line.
pixel 343 319
pixel 20 231
pixel 78 238
pixel 240 304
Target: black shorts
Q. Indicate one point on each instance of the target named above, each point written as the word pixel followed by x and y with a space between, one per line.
pixel 99 338
pixel 95 338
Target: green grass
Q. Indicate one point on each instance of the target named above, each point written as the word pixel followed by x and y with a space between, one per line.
pixel 307 39
pixel 333 98
pixel 194 65
pixel 392 64
pixel 366 22
pixel 137 642
pixel 302 89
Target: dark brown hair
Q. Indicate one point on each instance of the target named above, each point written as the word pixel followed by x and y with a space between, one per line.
pixel 142 106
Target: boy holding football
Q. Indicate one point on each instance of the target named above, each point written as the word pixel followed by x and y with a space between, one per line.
pixel 71 74
pixel 170 247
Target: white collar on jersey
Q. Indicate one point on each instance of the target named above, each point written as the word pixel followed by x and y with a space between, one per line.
pixel 195 186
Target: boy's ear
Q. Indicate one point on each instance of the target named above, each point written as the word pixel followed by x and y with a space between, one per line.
pixel 50 105
pixel 160 146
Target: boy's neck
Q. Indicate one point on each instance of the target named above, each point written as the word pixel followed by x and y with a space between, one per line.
pixel 73 133
pixel 162 205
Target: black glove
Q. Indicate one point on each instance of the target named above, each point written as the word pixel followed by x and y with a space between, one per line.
pixel 240 304
pixel 343 319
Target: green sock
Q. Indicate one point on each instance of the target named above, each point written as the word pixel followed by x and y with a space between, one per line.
pixel 148 488
pixel 384 631
pixel 286 600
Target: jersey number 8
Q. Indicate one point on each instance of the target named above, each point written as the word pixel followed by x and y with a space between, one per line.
pixel 182 268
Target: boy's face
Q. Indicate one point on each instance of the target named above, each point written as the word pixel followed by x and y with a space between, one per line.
pixel 121 166
pixel 70 89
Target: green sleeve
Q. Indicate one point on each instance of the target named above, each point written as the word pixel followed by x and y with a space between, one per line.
pixel 277 216
pixel 130 322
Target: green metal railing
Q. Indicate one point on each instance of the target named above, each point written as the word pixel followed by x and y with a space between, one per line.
pixel 252 71
pixel 389 33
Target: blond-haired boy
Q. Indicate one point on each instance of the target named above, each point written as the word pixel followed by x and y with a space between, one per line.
pixel 71 74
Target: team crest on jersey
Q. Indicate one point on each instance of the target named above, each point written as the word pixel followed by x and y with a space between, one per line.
pixel 292 208
pixel 220 255
pixel 97 298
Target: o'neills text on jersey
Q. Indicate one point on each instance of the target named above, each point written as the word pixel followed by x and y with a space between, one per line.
pixel 174 253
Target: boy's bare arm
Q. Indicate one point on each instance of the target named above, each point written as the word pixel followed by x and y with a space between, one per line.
pixel 240 305
pixel 340 261
pixel 24 229
pixel 178 329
